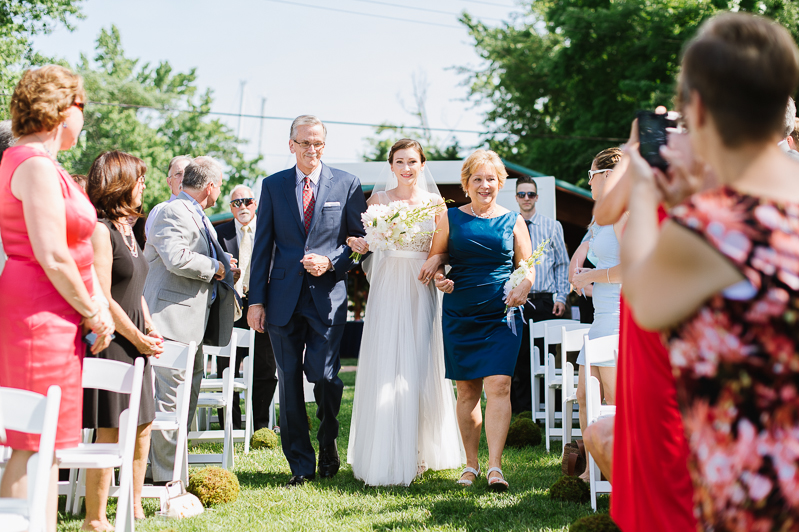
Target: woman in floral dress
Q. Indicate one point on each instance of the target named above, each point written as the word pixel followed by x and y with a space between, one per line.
pixel 721 278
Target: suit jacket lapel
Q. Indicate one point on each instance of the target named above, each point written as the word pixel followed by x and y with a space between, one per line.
pixel 290 190
pixel 325 180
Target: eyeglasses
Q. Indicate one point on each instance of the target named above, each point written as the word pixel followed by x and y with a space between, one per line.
pixel 530 195
pixel 238 203
pixel 79 105
pixel 305 144
pixel 592 173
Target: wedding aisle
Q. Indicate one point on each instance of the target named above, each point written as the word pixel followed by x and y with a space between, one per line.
pixel 343 503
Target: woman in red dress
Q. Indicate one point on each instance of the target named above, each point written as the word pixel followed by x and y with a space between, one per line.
pixel 644 443
pixel 47 284
pixel 721 278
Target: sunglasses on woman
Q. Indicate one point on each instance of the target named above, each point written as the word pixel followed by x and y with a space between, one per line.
pixel 238 203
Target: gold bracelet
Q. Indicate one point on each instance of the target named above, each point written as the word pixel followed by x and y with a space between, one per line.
pixel 93 315
pixel 607 271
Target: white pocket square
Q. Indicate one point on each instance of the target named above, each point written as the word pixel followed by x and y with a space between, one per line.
pixel 332 204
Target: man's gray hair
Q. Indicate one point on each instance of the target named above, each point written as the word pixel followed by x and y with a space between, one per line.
pixel 241 187
pixel 6 137
pixel 305 120
pixel 201 171
pixel 790 114
pixel 176 159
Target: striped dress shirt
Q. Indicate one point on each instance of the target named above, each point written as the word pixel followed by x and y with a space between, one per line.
pixel 552 275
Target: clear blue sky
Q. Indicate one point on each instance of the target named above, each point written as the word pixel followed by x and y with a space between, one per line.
pixel 305 60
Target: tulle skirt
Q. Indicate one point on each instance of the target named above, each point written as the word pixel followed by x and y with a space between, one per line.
pixel 403 416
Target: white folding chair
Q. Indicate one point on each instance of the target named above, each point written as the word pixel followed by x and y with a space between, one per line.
pixel 217 400
pixel 597 351
pixel 32 413
pixel 178 357
pixel 537 366
pixel 119 377
pixel 245 338
pixel 555 334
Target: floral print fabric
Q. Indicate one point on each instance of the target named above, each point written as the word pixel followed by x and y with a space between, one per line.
pixel 737 366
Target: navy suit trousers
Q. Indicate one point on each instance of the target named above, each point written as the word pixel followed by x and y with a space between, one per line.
pixel 307 333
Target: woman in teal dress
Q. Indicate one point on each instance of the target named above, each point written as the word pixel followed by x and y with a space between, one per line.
pixel 485 242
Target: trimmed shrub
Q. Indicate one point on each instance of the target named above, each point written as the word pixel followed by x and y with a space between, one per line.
pixel 263 439
pixel 594 523
pixel 570 489
pixel 523 415
pixel 522 433
pixel 214 485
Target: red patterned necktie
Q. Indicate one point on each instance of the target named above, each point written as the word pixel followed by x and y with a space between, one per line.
pixel 307 204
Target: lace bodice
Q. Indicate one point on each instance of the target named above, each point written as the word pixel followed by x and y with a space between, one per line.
pixel 420 242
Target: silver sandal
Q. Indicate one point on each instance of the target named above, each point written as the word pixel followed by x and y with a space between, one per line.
pixel 473 471
pixel 498 484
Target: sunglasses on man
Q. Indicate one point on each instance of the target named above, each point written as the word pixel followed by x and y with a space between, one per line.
pixel 245 202
pixel 530 195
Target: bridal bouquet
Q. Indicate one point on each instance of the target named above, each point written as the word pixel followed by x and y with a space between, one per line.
pixel 395 224
pixel 518 276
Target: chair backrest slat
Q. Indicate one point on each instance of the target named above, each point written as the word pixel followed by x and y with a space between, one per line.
pixel 601 350
pixel 110 375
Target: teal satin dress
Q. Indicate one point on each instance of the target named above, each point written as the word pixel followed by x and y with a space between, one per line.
pixel 477 339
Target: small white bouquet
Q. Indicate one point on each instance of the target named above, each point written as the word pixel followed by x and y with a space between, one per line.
pixel 395 224
pixel 518 275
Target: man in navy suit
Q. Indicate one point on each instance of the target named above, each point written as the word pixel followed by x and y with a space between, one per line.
pixel 305 215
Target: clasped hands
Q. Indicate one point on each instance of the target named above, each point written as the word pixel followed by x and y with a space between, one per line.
pixel 101 324
pixel 315 264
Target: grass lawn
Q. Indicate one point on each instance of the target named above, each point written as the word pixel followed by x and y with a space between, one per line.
pixel 343 503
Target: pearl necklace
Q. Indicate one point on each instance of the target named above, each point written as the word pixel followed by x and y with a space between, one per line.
pixel 486 214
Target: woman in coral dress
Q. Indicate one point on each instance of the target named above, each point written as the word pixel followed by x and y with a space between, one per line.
pixel 46 287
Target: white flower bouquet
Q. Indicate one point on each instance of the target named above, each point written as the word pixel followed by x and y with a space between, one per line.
pixel 518 275
pixel 390 226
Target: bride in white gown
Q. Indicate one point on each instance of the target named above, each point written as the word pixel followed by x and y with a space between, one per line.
pixel 403 415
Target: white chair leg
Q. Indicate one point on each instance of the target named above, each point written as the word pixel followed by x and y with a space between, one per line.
pixel 568 407
pixel 549 405
pixel 248 421
pixel 124 517
pixel 73 484
pixel 80 491
pixel 593 471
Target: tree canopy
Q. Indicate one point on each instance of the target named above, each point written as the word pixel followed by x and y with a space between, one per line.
pixel 149 111
pixel 564 79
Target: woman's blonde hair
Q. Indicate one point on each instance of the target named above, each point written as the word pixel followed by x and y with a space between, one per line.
pixel 42 97
pixel 478 159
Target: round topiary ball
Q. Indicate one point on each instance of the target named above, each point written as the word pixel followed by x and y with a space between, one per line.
pixel 214 485
pixel 523 433
pixel 523 415
pixel 263 439
pixel 594 523
pixel 570 489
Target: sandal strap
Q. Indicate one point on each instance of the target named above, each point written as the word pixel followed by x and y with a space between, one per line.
pixel 495 469
pixel 475 472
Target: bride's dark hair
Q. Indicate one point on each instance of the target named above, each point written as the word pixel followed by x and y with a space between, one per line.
pixel 405 144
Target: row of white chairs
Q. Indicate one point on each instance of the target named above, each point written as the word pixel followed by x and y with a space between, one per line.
pixel 570 336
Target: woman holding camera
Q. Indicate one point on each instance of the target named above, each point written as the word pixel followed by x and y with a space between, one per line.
pixel 721 277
